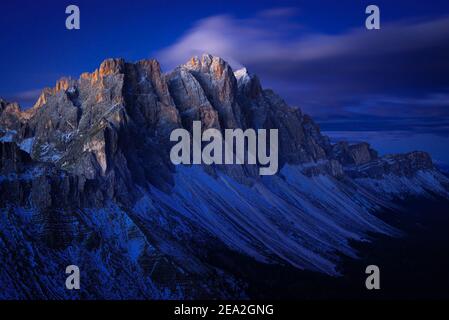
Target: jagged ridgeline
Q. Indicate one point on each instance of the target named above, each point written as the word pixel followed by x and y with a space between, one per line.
pixel 86 179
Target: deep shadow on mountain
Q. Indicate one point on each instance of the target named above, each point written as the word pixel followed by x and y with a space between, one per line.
pixel 414 266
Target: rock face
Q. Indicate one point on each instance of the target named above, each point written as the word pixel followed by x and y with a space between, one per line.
pixel 356 154
pixel 219 85
pixel 86 179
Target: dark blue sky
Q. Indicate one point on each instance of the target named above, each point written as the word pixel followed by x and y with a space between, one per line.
pixel 36 49
pixel 316 54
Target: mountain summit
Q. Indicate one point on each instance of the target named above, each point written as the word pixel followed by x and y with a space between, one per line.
pixel 86 179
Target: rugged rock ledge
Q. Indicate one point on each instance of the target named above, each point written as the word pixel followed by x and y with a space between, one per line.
pixel 85 178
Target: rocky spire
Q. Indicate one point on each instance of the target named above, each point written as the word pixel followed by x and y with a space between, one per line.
pixel 220 86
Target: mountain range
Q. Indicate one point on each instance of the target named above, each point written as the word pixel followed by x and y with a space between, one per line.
pixel 86 180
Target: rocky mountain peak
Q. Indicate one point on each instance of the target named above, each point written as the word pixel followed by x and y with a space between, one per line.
pixel 111 66
pixel 10 114
pixel 241 73
pixel 220 87
pixel 207 63
pixel 120 97
pixel 63 84
pixel 88 167
pixel 88 125
pixel 248 84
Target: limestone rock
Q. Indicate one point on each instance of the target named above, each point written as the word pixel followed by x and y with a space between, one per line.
pixel 86 173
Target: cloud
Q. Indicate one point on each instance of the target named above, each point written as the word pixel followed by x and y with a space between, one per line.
pixel 401 69
pixel 280 12
pixel 237 40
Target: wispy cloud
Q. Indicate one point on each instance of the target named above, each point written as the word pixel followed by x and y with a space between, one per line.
pixel 401 69
pixel 280 12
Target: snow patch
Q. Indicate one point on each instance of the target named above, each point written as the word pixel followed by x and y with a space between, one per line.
pixel 8 135
pixel 27 145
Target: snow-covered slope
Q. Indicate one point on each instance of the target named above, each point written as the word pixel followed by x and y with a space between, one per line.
pixel 86 179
